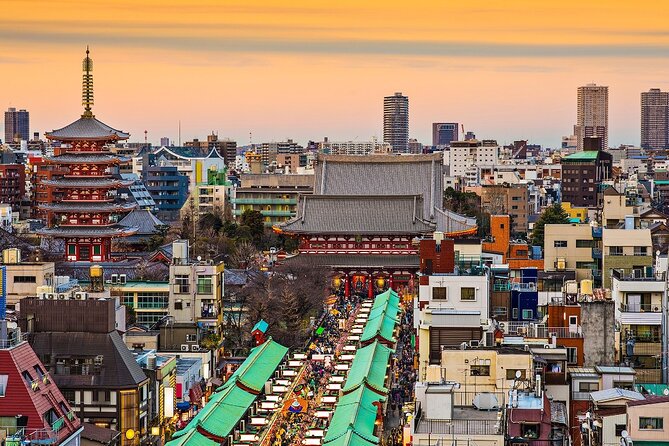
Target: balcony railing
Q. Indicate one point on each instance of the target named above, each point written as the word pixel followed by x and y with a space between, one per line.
pixel 24 435
pixel 501 287
pixel 458 427
pixel 646 274
pixel 14 338
pixel 580 396
pixel 541 331
pixel 641 308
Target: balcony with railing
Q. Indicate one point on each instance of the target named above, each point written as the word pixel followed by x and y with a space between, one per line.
pixel 641 308
pixel 647 274
pixel 532 330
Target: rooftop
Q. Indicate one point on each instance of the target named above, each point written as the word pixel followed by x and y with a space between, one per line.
pixel 588 155
pixel 86 128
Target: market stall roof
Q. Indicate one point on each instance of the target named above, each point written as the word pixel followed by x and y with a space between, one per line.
pixel 382 318
pixel 260 364
pixel 369 368
pixel 353 419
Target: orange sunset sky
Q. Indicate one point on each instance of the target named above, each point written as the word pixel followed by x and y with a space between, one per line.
pixel 307 69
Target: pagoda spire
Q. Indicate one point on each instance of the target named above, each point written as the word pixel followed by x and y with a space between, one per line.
pixel 87 86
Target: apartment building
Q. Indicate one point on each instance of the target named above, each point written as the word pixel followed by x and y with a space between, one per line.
pixel 571 247
pixel 629 250
pixel 468 157
pixel 509 199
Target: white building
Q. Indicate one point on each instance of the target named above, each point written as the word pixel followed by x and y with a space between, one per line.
pixel 467 158
pixel 353 147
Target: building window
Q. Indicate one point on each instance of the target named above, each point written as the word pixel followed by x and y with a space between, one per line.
pixel 97 250
pixel 572 355
pixel 560 243
pixel 101 396
pixel 440 293
pixel 514 313
pixel 627 385
pixel 588 387
pixel 27 377
pixel 640 251
pixel 3 384
pixel 25 279
pixel 191 338
pixel 178 305
pixel 585 265
pixel 528 314
pixel 619 429
pixel 479 370
pixel 584 243
pixel 529 430
pixel 654 423
pixel 468 294
pixel 181 284
pixel 615 250
pixel 69 395
pixel 511 373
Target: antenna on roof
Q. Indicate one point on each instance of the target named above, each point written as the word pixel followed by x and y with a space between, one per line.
pixel 87 86
pixel 179 132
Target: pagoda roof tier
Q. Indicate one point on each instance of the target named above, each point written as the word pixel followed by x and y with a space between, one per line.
pixel 68 183
pixel 87 206
pixel 87 158
pixel 88 231
pixel 87 128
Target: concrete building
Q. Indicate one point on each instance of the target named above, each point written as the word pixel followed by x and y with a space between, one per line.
pixel 396 122
pixel 148 300
pixel 582 174
pixel 571 247
pixel 24 278
pixel 452 305
pixel 275 196
pixel 511 200
pixel 12 185
pixel 617 210
pixel 85 356
pixel 225 147
pixel 628 250
pixel 17 125
pixel 211 195
pixel 469 157
pixel 640 297
pixel 353 147
pixel 592 114
pixel 645 421
pixel 655 119
pixel 168 188
pixel 268 151
pixel 443 133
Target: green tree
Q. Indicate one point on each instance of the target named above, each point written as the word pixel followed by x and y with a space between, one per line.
pixel 551 215
pixel 255 222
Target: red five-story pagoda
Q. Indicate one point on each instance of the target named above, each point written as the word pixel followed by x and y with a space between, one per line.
pixel 83 207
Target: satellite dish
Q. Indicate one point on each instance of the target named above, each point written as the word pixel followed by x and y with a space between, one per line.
pixel 518 374
pixel 624 434
pixel 666 392
pixel 199 258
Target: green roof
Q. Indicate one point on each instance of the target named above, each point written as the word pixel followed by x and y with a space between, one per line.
pixel 661 182
pixel 382 318
pixel 588 155
pixel 369 367
pixel 191 437
pixel 261 325
pixel 259 365
pixel 231 401
pixel 353 419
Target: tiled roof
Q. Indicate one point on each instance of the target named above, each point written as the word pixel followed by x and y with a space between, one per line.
pixel 346 214
pixel 74 158
pixel 87 128
pixel 87 231
pixel 118 370
pixel 382 175
pixel 615 393
pixel 650 399
pixel 352 260
pixel 87 206
pixel 143 220
pixel 98 434
pixel 87 182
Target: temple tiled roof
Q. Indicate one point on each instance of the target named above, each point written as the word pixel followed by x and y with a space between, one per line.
pixel 87 206
pixel 87 158
pixel 87 182
pixel 382 175
pixel 87 231
pixel 87 128
pixel 143 220
pixel 356 260
pixel 350 214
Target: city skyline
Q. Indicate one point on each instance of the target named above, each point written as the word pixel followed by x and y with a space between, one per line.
pixel 305 71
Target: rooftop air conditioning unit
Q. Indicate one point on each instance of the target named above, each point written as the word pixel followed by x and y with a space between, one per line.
pixel 474 343
pixel 502 326
pixel 81 295
pixel 51 296
pixel 184 347
pixel 62 296
pixel 114 278
pixel 195 348
pixel 122 279
pixel 43 295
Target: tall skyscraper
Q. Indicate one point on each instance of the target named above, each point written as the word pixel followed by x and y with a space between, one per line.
pixel 445 132
pixel 164 141
pixel 396 122
pixel 655 119
pixel 592 114
pixel 17 125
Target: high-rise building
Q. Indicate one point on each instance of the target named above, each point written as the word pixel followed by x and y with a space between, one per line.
pixel 655 119
pixel 592 114
pixel 164 141
pixel 17 125
pixel 445 132
pixel 396 122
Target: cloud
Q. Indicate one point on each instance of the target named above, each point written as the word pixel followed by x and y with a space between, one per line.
pixel 344 46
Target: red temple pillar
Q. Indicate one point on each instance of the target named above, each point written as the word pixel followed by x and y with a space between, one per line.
pixel 370 291
pixel 347 285
pixel 390 281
